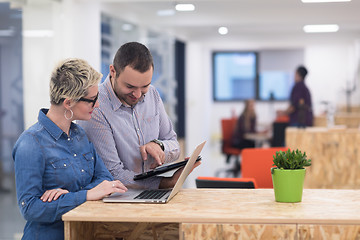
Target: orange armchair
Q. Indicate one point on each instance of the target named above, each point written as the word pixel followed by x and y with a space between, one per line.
pixel 257 164
pixel 227 128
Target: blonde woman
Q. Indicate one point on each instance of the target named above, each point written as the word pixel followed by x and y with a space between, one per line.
pixel 56 166
pixel 245 124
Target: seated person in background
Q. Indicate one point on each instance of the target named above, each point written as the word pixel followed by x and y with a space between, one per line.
pixel 245 124
pixel 56 167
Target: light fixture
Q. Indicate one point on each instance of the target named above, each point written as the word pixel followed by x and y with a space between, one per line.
pixel 7 32
pixel 223 30
pixel 127 27
pixel 324 1
pixel 38 33
pixel 321 28
pixel 185 7
pixel 165 12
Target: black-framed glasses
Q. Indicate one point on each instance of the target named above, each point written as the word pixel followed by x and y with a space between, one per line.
pixel 93 101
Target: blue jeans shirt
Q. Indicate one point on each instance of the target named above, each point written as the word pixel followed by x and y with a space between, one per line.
pixel 47 158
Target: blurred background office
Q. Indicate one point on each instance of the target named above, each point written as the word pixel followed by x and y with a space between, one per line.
pixel 267 39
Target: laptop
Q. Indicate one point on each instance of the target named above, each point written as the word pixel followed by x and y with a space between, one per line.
pixel 157 195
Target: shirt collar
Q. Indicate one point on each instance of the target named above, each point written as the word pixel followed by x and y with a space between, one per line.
pixel 51 127
pixel 115 101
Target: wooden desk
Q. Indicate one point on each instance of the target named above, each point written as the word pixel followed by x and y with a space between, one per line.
pixel 222 214
pixel 350 120
pixel 334 153
pixel 260 139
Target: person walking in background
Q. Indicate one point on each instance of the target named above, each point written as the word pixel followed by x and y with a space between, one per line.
pixel 246 124
pixel 56 167
pixel 300 109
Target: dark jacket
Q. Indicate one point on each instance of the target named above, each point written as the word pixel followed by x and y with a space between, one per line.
pixel 302 114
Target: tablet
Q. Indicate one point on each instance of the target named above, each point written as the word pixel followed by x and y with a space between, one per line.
pixel 162 169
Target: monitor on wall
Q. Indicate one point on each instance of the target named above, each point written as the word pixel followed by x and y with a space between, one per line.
pixel 235 75
pixel 275 85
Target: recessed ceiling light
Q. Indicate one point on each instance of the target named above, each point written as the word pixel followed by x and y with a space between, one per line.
pixel 166 12
pixel 7 32
pixel 185 7
pixel 321 28
pixel 127 27
pixel 223 30
pixel 323 1
pixel 38 33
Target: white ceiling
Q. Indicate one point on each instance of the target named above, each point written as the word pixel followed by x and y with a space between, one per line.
pixel 244 18
pixel 247 20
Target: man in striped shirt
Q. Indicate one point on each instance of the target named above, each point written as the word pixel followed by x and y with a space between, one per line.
pixel 131 131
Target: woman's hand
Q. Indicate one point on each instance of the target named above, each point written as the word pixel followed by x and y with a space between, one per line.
pixel 104 189
pixel 53 194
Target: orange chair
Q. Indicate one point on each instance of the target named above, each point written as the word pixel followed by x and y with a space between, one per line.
pixel 257 163
pixel 217 182
pixel 227 128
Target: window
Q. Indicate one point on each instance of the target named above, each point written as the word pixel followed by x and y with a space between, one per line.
pixel 265 75
pixel 235 76
pixel 275 85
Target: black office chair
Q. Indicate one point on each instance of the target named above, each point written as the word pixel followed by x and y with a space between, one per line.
pixel 278 139
pixel 217 182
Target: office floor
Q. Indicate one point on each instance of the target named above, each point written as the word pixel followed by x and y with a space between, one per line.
pixel 12 222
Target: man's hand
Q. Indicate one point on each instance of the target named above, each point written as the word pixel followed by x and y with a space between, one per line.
pixel 169 182
pixel 155 151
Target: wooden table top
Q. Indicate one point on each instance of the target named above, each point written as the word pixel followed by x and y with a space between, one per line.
pixel 318 206
pixel 333 129
pixel 257 136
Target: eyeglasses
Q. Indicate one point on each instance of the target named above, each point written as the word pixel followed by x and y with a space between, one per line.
pixel 90 100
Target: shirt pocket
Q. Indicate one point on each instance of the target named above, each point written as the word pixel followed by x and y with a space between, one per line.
pixel 89 163
pixel 151 127
pixel 63 172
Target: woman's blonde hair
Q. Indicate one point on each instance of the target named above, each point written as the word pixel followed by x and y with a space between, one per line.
pixel 72 79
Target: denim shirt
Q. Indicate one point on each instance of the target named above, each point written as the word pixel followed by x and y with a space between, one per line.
pixel 47 158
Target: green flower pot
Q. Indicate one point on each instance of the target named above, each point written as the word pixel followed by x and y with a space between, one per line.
pixel 288 184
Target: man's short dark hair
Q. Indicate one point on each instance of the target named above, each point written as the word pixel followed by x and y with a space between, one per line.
pixel 135 55
pixel 302 71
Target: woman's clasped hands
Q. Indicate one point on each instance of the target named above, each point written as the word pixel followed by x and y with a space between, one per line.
pixel 105 188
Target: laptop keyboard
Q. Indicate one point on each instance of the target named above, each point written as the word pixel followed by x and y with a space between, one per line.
pixel 152 194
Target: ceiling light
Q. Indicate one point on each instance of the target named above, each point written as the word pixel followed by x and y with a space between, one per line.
pixel 185 7
pixel 127 27
pixel 223 30
pixel 321 28
pixel 38 33
pixel 323 1
pixel 166 12
pixel 7 32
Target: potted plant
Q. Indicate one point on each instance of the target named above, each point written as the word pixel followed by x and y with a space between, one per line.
pixel 289 174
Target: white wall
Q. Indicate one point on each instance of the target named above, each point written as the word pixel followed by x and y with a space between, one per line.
pixel 331 69
pixel 75 28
